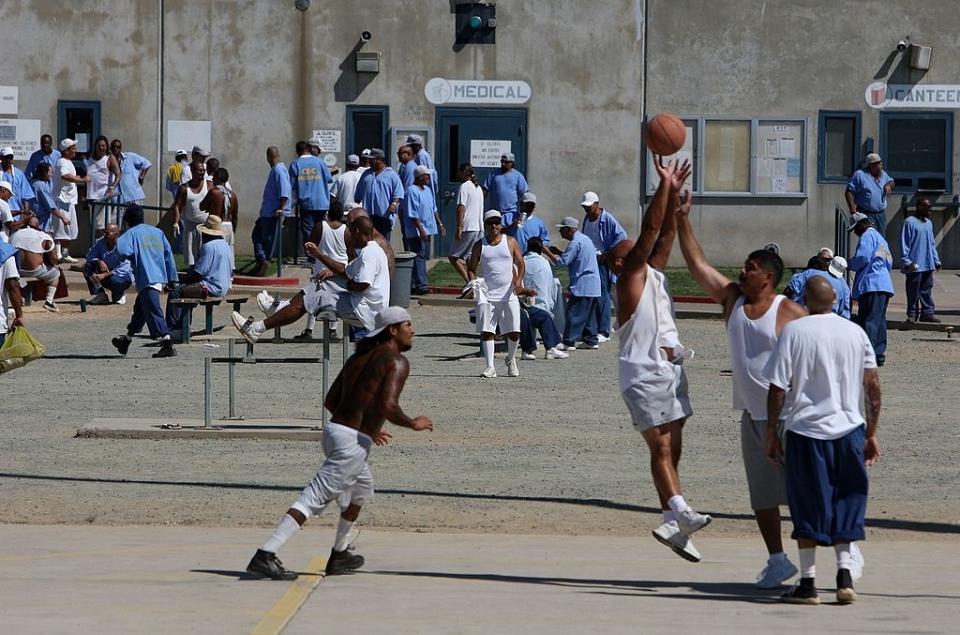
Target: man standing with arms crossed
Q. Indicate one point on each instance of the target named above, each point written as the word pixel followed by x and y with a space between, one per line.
pixel 652 380
pixel 364 394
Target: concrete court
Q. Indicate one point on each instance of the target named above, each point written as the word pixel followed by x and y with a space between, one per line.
pixel 75 579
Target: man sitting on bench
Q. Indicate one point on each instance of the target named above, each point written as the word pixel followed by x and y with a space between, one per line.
pixel 362 292
pixel 106 270
pixel 210 276
pixel 38 260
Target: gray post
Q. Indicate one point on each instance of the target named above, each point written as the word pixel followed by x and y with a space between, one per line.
pixel 326 371
pixel 207 406
pixel 231 370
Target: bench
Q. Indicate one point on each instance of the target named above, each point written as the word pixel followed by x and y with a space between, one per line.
pixel 208 304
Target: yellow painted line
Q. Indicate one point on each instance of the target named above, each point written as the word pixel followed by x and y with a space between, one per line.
pixel 287 606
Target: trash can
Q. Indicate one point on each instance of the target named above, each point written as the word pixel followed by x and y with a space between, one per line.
pixel 402 277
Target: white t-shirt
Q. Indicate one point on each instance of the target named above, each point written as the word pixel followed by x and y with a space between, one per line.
pixel 7 271
pixel 6 216
pixel 819 361
pixel 345 187
pixel 370 266
pixel 471 197
pixel 66 191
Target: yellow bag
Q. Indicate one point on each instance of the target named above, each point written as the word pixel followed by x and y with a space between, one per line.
pixel 19 348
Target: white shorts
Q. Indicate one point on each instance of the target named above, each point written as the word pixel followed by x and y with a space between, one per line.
pixel 345 471
pixel 659 398
pixel 505 314
pixel 331 292
pixel 58 230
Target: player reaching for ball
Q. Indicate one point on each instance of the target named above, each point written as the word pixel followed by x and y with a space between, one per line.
pixel 652 379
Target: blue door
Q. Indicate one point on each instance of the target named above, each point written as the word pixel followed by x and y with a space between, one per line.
pixel 474 135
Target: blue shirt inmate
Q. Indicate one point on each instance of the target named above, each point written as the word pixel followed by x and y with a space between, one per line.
pixel 420 206
pixel 276 188
pixel 131 164
pixel 918 245
pixel 214 266
pixel 872 263
pixel 310 180
pixel 118 265
pixel 533 227
pixel 580 258
pixel 45 202
pixel 505 190
pixel 605 232
pixel 39 157
pixel 538 275
pixel 841 304
pixel 150 255
pixel 423 158
pixel 376 191
pixel 407 176
pixel 868 192
pixel 21 188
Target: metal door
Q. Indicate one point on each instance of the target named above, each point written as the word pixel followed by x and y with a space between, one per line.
pixel 460 132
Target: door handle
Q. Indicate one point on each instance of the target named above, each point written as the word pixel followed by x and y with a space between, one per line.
pixel 447 195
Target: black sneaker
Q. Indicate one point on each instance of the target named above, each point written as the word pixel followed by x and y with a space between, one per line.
pixel 845 592
pixel 306 335
pixel 122 344
pixel 269 566
pixel 166 349
pixel 804 592
pixel 923 318
pixel 343 561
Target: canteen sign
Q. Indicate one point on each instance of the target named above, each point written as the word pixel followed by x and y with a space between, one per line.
pixel 881 95
pixel 473 91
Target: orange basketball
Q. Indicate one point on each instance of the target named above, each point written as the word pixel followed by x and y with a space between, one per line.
pixel 665 134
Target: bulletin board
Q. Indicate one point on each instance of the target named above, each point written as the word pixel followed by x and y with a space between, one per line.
pixel 688 152
pixel 781 152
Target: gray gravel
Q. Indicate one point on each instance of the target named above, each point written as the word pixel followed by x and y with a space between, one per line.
pixel 550 452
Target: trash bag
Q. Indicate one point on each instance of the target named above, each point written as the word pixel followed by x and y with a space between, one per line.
pixel 19 348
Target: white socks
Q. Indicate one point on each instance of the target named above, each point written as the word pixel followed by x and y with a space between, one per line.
pixel 844 559
pixel 487 347
pixel 312 321
pixel 52 287
pixel 343 534
pixel 286 528
pixel 511 349
pixel 808 562
pixel 677 504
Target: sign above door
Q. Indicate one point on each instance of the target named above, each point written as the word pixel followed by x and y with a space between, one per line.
pixel 475 91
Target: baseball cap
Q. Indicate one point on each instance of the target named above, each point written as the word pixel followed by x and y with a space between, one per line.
pixel 353 159
pixel 873 157
pixel 180 153
pixel 213 226
pixel 528 197
pixel 201 151
pixel 568 221
pixel 825 252
pixel 856 218
pixel 388 317
pixel 507 156
pixel 589 198
pixel 366 153
pixel 6 151
pixel 838 266
pixel 377 153
pixel 6 186
pixel 67 143
pixel 491 213
pixel 421 169
pixel 414 139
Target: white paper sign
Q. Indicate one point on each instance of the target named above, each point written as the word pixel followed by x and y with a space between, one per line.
pixel 183 135
pixel 23 135
pixel 329 140
pixel 486 153
pixel 9 100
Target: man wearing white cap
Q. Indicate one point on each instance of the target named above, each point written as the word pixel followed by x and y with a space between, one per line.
pixel 499 262
pixel 872 284
pixel 63 220
pixel 420 224
pixel 364 395
pixel 833 270
pixel 580 259
pixel 505 187
pixel 23 195
pixel 867 192
pixel 345 186
pixel 199 154
pixel 601 227
pixel 525 225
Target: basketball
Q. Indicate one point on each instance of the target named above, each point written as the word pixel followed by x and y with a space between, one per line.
pixel 665 134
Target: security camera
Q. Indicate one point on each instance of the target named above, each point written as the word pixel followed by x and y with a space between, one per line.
pixel 365 36
pixel 301 5
pixel 902 45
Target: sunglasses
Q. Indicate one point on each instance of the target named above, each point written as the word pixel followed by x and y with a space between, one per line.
pixel 491 222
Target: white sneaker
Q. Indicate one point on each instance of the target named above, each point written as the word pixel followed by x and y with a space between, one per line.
pixel 601 338
pixel 527 356
pixel 245 326
pixel 51 306
pixel 68 258
pixel 122 300
pixel 857 562
pixel 556 353
pixel 512 370
pixel 100 298
pixel 563 347
pixel 690 521
pixel 776 573
pixel 267 303
pixel 489 373
pixel 670 535
pixel 587 347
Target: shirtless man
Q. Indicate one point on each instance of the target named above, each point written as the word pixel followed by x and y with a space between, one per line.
pixel 222 201
pixel 364 394
pixel 652 380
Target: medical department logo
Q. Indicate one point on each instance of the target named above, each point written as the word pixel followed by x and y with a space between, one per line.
pixel 876 95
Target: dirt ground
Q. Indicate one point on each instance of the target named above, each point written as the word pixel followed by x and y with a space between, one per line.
pixel 551 452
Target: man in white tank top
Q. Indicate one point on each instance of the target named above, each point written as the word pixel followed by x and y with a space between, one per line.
pixel 104 172
pixel 652 380
pixel 187 207
pixel 755 315
pixel 500 264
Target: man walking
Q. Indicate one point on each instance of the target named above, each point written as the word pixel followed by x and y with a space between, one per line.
pixel 346 186
pixel 580 259
pixel 469 219
pixel 364 395
pixel 828 366
pixel 872 284
pixel 920 260
pixel 310 183
pixel 505 187
pixel 605 231
pixel 867 192
pixel 274 207
pixel 379 192
pixel 420 224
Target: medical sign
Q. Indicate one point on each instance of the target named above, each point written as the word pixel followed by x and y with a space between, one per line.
pixel 471 91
